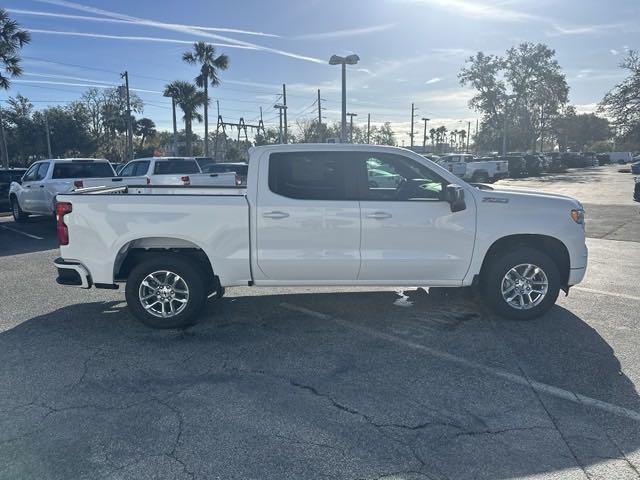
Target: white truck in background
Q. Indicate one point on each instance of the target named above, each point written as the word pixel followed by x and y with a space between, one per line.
pixel 166 171
pixel 36 191
pixel 466 166
pixel 309 216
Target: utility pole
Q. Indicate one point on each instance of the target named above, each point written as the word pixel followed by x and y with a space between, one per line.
pixel 541 129
pixel 368 128
pixel 412 115
pixel 504 133
pixel 424 135
pixel 343 116
pixel 281 108
pixel 468 134
pixel 351 115
pixel 284 103
pixel 46 126
pixel 320 118
pixel 5 153
pixel 125 75
pixel 215 143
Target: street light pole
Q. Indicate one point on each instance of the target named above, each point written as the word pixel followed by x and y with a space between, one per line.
pixel 424 135
pixel 344 61
pixel 351 115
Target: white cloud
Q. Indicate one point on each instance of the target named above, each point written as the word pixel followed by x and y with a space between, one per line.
pixel 131 38
pixel 20 11
pixel 477 9
pixel 178 28
pixel 433 80
pixel 346 33
pixel 562 30
pixel 614 52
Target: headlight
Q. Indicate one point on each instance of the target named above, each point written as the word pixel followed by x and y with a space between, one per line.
pixel 578 216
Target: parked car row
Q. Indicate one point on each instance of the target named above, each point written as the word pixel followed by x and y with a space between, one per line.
pixel 491 167
pixel 34 191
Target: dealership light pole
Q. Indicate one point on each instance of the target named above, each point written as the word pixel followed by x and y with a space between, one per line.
pixel 344 61
pixel 424 135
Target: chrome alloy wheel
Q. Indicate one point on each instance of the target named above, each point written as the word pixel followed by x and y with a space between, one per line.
pixel 163 294
pixel 15 209
pixel 524 286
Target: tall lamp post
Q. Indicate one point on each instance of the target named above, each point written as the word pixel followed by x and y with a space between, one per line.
pixel 344 61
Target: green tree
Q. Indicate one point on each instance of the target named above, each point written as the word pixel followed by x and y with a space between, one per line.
pixel 189 99
pixel 12 39
pixel 525 89
pixel 145 128
pixel 204 54
pixel 622 103
pixel 575 131
pixel 384 135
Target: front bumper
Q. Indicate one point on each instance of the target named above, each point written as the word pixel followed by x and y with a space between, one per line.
pixel 72 274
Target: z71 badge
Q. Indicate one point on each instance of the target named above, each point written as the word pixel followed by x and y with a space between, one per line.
pixel 495 200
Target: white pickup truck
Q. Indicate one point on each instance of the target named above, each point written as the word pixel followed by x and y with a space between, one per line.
pixel 166 171
pixel 466 166
pixel 40 184
pixel 310 216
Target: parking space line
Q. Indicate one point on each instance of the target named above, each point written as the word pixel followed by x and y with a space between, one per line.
pixel 498 372
pixel 603 292
pixel 21 232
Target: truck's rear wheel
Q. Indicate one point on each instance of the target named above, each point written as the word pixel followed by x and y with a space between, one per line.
pixel 522 284
pixel 19 215
pixel 166 291
pixel 480 177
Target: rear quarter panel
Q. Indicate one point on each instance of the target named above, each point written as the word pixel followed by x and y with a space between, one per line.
pixel 101 225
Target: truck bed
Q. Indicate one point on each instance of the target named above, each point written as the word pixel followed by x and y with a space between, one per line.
pixel 213 219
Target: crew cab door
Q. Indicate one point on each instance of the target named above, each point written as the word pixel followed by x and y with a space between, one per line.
pixel 32 194
pixel 409 233
pixel 308 224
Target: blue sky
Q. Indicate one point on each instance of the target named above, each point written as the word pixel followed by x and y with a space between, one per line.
pixel 410 50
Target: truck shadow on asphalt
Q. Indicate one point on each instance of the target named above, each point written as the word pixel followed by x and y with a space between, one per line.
pixel 346 385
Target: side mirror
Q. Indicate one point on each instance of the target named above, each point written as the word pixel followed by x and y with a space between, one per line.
pixel 454 194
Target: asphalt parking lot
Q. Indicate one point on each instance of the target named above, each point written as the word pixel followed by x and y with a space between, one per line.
pixel 339 383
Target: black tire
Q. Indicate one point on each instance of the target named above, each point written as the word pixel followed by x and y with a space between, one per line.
pixel 497 269
pixel 19 216
pixel 480 177
pixel 190 274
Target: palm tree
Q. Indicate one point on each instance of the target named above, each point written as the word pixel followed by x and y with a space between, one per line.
pixel 170 91
pixel 463 136
pixel 453 136
pixel 204 54
pixel 432 136
pixel 145 128
pixel 12 39
pixel 189 99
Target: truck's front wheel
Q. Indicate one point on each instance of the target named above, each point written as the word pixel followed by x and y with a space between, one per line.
pixel 19 215
pixel 166 291
pixel 522 284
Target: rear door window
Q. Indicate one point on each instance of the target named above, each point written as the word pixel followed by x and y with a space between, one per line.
pixel 82 170
pixel 310 175
pixel 176 167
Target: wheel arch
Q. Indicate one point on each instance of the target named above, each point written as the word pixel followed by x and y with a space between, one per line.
pixel 134 251
pixel 552 246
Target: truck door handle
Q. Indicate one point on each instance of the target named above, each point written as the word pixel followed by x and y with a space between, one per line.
pixel 41 186
pixel 275 215
pixel 379 215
